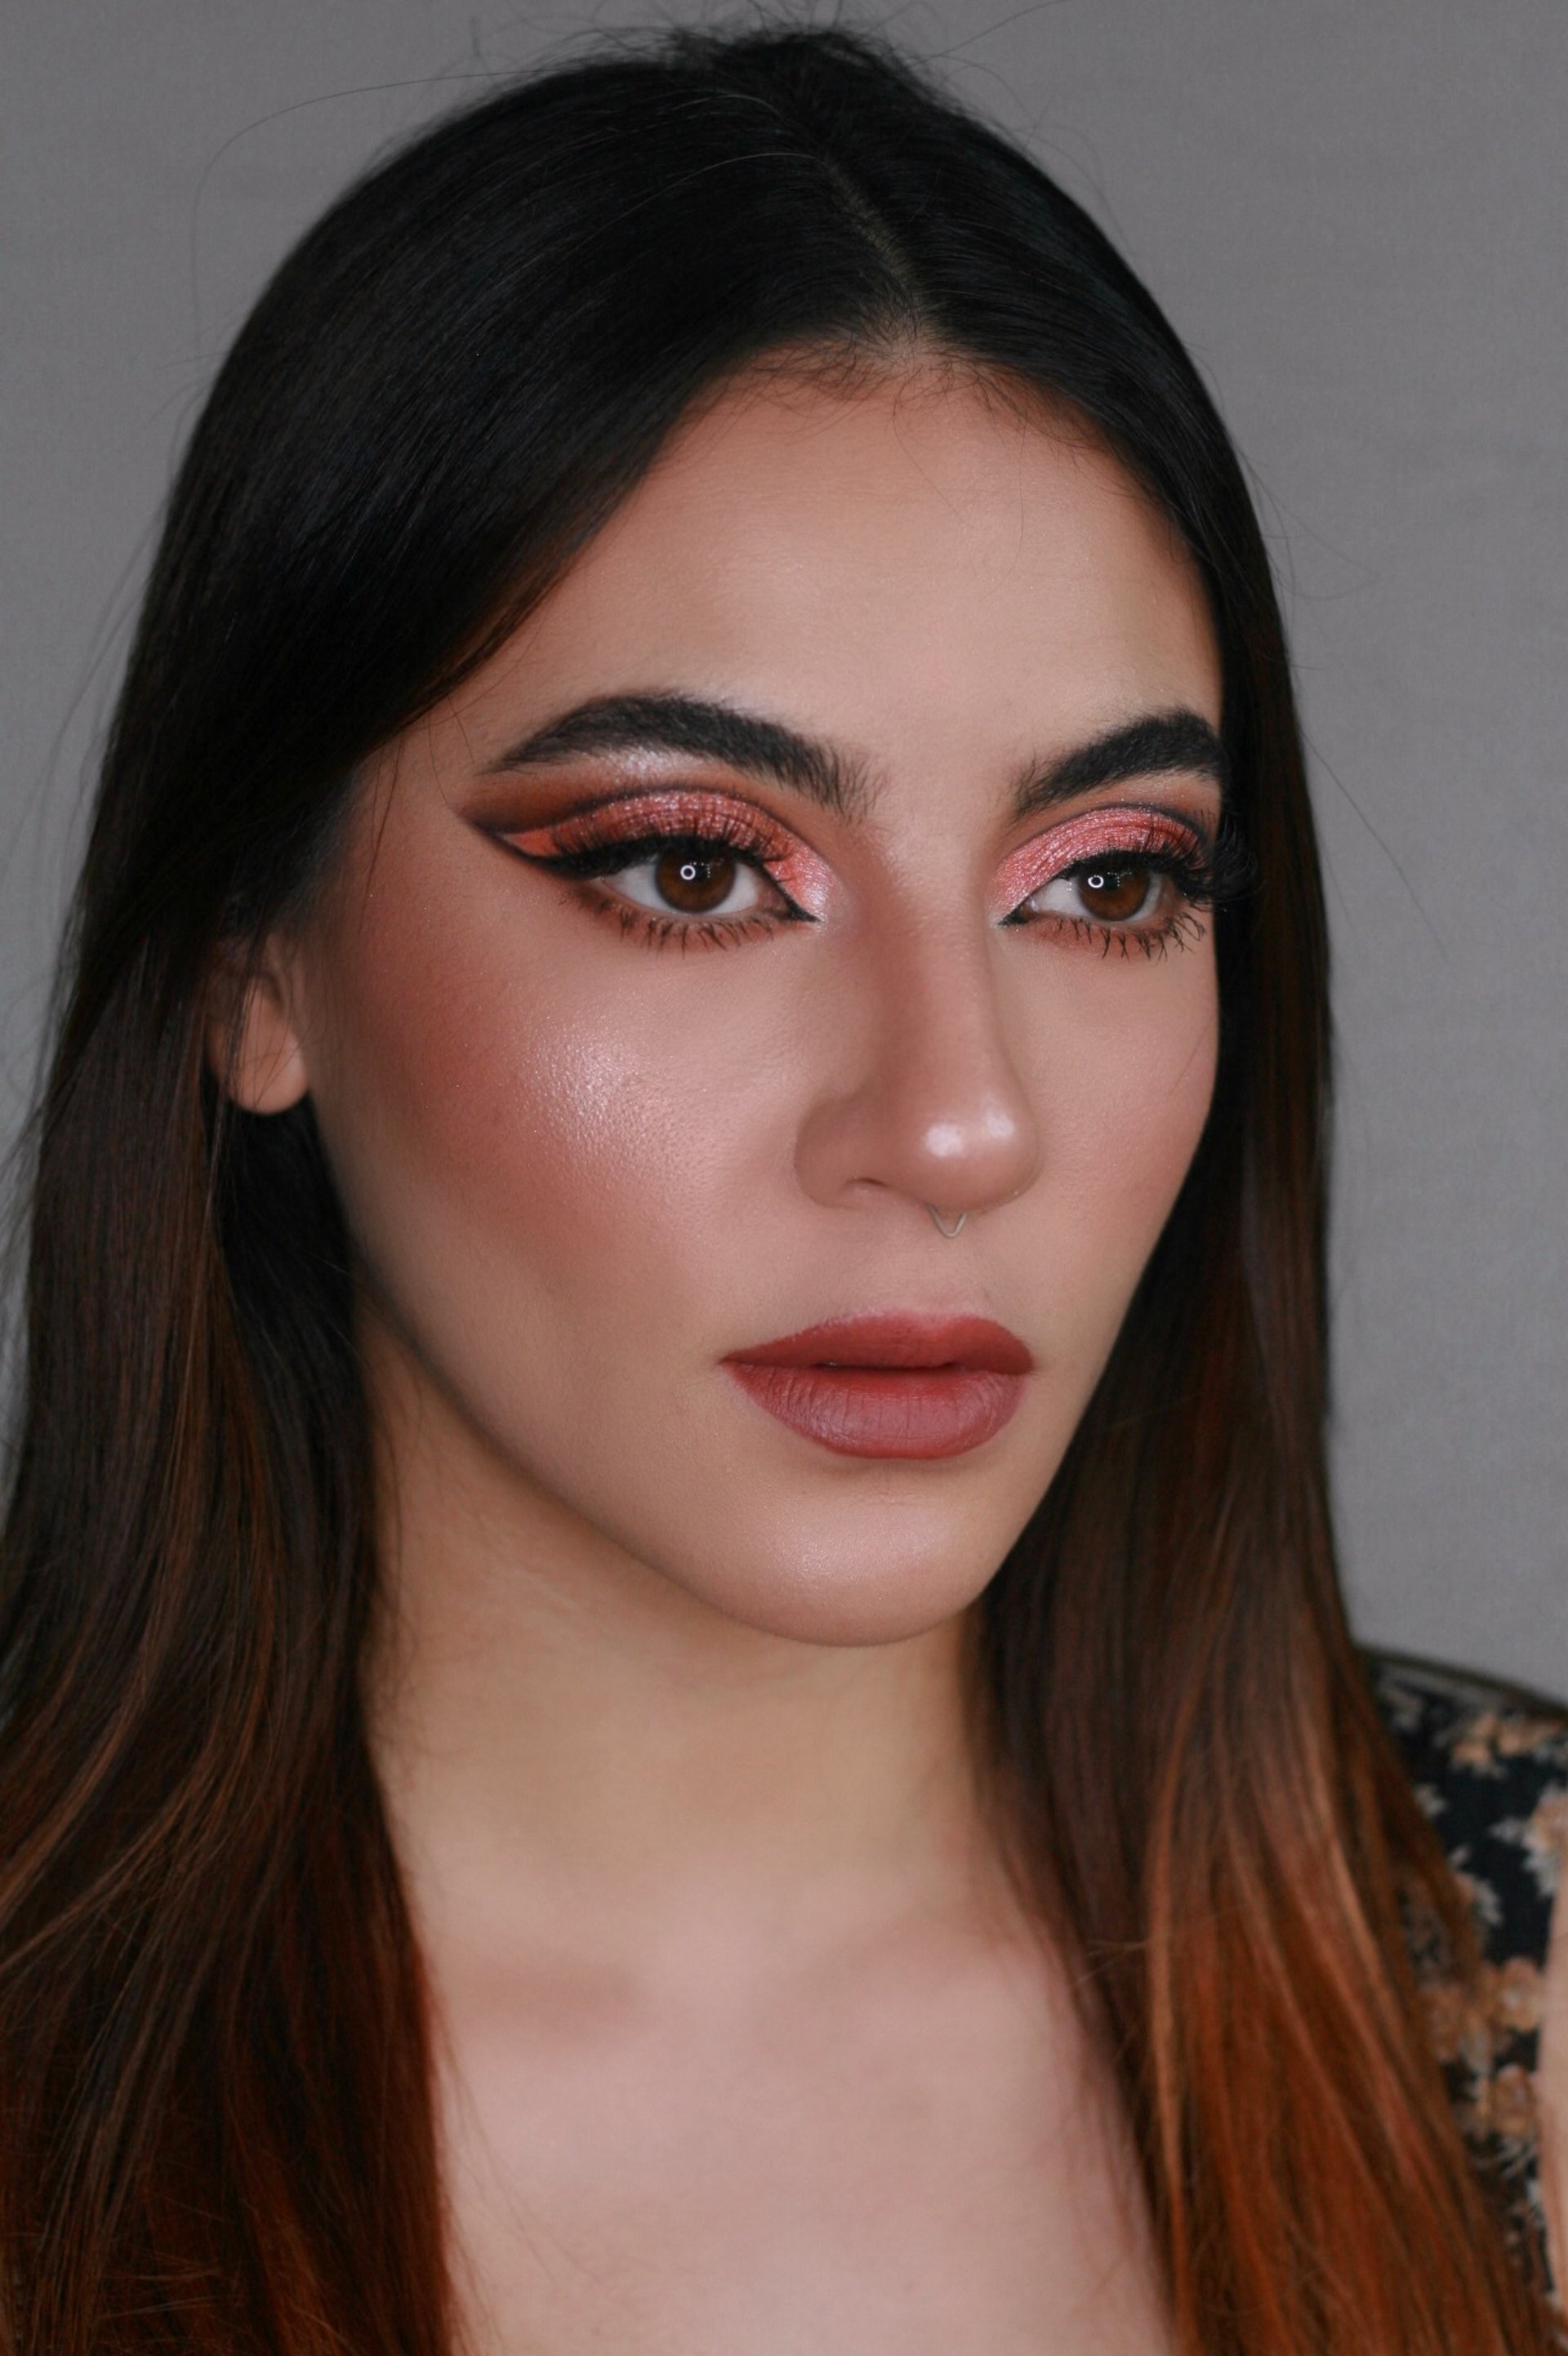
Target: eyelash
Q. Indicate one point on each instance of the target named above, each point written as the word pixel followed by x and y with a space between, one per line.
pixel 720 830
pixel 1206 878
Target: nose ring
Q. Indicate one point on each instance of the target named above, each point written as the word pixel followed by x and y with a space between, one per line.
pixel 941 1225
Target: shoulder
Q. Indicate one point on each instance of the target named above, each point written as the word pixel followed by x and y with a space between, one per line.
pixel 1490 1765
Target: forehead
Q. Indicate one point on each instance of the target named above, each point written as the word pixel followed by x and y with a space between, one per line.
pixel 918 569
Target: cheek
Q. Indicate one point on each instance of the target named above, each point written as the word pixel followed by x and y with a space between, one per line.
pixel 516 1120
pixel 1123 1082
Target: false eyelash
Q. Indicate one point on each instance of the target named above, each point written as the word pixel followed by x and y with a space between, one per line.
pixel 593 859
pixel 1215 878
pixel 1212 876
pixel 581 840
pixel 607 857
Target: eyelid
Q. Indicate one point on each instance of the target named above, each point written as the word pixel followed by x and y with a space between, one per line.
pixel 688 813
pixel 675 810
pixel 1092 834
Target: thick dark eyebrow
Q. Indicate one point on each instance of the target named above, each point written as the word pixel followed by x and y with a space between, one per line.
pixel 702 731
pixel 1154 746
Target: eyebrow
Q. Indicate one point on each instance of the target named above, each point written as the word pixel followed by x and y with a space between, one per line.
pixel 1158 744
pixel 704 731
pixel 1154 744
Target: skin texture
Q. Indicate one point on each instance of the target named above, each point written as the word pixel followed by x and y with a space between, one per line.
pixel 745 2045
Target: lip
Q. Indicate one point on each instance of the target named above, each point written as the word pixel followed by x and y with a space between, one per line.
pixel 896 1384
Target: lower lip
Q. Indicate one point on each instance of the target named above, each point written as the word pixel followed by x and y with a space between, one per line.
pixel 909 1411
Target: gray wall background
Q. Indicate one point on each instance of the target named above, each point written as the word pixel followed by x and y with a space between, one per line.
pixel 1354 212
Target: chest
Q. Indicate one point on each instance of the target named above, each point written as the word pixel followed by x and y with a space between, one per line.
pixel 898 2174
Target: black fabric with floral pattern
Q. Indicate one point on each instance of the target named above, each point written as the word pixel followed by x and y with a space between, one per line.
pixel 1489 1763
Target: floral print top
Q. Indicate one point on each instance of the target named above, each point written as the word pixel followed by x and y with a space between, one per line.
pixel 1491 1767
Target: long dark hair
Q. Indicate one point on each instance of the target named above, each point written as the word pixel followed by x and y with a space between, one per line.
pixel 217 2118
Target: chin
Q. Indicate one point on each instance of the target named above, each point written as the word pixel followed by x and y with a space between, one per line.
pixel 851 1594
pixel 855 1611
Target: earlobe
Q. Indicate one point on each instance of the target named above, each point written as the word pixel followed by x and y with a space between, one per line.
pixel 253 1045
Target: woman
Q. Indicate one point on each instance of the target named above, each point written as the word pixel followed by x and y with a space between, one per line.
pixel 674 1678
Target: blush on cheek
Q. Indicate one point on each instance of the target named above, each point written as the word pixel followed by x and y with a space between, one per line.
pixel 516 1130
pixel 508 1121
pixel 1129 1109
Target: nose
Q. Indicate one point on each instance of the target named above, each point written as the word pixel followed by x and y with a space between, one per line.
pixel 929 1105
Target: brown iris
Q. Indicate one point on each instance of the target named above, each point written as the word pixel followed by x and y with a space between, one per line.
pixel 694 882
pixel 1114 893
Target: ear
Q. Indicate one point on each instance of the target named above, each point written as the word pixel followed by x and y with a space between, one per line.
pixel 253 1044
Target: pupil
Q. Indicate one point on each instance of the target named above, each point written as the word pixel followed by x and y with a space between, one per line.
pixel 1114 891
pixel 693 883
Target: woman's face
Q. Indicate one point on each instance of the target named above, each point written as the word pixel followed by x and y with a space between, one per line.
pixel 830 843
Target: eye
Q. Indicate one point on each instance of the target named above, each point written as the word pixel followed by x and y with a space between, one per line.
pixel 682 866
pixel 697 879
pixel 1123 878
pixel 1118 890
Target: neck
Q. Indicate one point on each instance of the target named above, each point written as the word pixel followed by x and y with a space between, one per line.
pixel 565 1735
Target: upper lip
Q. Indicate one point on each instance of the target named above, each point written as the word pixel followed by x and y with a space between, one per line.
pixel 897 1337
